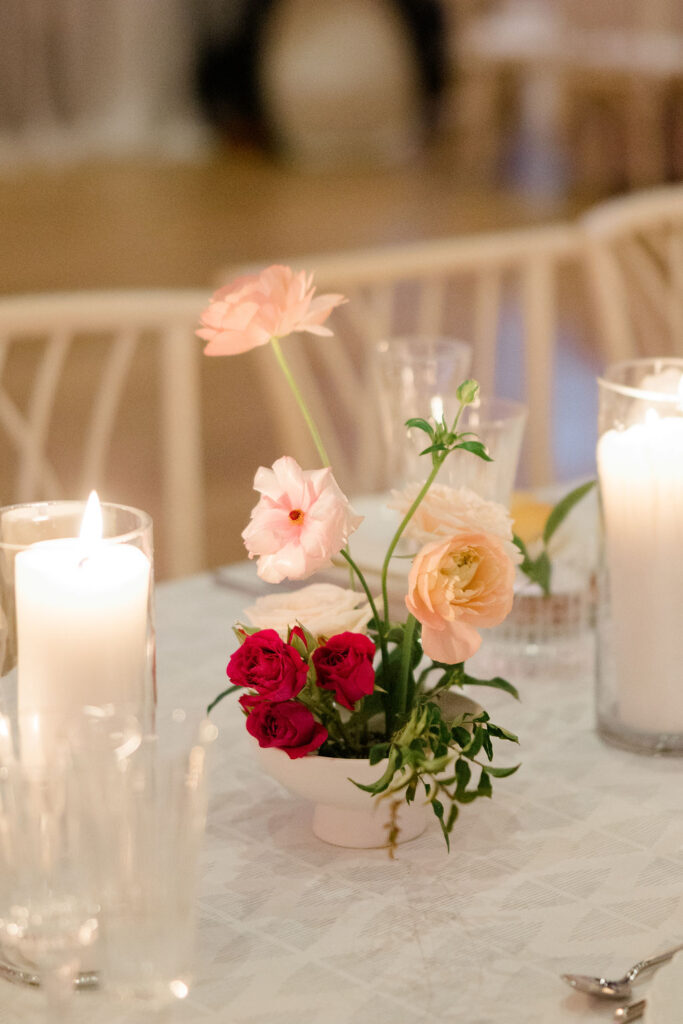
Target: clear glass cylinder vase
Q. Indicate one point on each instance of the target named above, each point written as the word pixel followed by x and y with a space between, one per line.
pixel 639 630
pixel 76 613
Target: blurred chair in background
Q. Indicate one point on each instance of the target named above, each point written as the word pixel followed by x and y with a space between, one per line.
pixel 634 259
pixel 598 82
pixel 467 287
pixel 101 390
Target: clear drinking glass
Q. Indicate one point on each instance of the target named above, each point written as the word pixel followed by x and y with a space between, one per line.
pixel 152 793
pixel 640 639
pixel 48 888
pixel 76 616
pixel 499 423
pixel 417 376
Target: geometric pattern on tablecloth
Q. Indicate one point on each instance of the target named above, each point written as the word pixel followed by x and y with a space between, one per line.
pixel 576 864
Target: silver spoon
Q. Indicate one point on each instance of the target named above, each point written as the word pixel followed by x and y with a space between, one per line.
pixel 626 1014
pixel 620 989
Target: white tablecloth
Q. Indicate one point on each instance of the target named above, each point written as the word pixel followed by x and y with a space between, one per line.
pixel 575 864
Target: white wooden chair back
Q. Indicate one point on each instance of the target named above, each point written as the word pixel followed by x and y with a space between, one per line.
pixel 634 260
pixel 462 287
pixel 79 349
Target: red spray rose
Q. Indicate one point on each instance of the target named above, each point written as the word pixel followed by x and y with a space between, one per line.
pixel 344 665
pixel 287 725
pixel 265 663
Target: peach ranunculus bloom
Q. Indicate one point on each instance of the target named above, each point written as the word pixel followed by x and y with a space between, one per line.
pixel 457 586
pixel 257 307
pixel 445 511
pixel 301 521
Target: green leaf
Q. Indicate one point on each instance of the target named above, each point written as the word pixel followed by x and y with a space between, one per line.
pixel 467 392
pixel 516 539
pixel 497 683
pixel 452 815
pixel 563 508
pixel 421 424
pixel 475 744
pixel 395 761
pixel 503 734
pixel 461 736
pixel 219 698
pixel 538 571
pixel 484 788
pixel 438 808
pixel 378 752
pixel 463 774
pixel 476 447
pixel 543 572
pixel 433 448
pixel 500 773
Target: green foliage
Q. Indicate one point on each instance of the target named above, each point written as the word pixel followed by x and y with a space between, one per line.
pixel 539 569
pixel 440 756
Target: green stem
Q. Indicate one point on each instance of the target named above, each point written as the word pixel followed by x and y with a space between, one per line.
pixel 380 623
pixel 219 698
pixel 310 422
pixel 400 693
pixel 399 533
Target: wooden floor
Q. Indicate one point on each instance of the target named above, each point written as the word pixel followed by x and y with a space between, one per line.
pixel 148 223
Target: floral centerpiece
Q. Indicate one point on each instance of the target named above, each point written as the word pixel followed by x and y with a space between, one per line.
pixel 325 672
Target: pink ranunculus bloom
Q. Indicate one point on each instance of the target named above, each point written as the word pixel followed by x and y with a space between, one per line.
pixel 344 665
pixel 258 307
pixel 289 726
pixel 301 521
pixel 265 663
pixel 457 586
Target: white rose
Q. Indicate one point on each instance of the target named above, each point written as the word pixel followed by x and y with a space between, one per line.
pixel 446 511
pixel 322 608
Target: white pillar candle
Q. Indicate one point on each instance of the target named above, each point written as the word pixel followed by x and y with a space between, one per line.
pixel 81 608
pixel 641 480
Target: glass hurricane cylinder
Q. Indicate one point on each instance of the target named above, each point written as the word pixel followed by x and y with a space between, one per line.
pixel 640 639
pixel 416 376
pixel 76 616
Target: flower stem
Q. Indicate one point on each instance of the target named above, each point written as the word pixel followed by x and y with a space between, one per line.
pixel 310 422
pixel 381 625
pixel 399 695
pixel 399 533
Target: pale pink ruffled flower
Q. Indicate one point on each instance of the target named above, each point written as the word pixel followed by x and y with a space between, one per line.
pixel 445 511
pixel 457 586
pixel 257 307
pixel 301 521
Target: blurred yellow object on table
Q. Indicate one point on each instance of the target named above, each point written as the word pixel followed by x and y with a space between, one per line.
pixel 529 516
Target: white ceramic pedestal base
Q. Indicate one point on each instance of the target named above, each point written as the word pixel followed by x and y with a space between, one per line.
pixel 345 815
pixel 369 829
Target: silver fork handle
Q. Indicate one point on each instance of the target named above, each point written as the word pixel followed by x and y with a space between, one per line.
pixel 632 1012
pixel 653 961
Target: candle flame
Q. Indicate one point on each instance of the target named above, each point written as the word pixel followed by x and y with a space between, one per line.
pixel 91 526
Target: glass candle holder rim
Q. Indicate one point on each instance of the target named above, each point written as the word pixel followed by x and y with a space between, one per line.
pixel 144 519
pixel 607 382
pixel 396 342
pixel 510 407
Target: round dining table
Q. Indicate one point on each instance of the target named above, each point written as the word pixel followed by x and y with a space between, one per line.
pixel 575 864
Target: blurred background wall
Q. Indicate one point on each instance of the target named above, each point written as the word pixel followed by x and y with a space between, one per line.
pixel 163 142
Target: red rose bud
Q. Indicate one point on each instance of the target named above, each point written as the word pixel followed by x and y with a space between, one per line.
pixel 287 725
pixel 344 665
pixel 265 663
pixel 298 632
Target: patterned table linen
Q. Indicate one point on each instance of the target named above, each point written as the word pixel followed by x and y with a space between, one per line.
pixel 575 864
